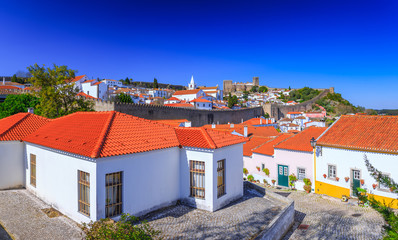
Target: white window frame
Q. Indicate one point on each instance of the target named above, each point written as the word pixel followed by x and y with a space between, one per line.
pixel 334 174
pixel 298 173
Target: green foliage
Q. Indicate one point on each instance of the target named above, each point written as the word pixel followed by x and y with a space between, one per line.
pixel 232 100
pixel 307 188
pixel 245 171
pixel 123 98
pixel 307 181
pixel 390 217
pixel 263 89
pixel 254 89
pixel 155 83
pixel 126 228
pixel 56 93
pixel 18 103
pixel 292 178
pixel 266 171
pixel 303 94
pixel 127 81
pixel 266 115
pixel 250 178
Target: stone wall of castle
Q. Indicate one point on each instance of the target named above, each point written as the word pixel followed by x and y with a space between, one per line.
pixel 230 87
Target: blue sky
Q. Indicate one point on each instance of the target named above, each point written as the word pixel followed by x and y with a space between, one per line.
pixel 350 45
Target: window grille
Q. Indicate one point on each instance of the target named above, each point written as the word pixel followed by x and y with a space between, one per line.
pixel 84 192
pixel 197 176
pixel 301 173
pixel 220 178
pixel 33 170
pixel 332 171
pixel 114 187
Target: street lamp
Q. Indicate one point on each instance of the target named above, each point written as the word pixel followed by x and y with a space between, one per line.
pixel 313 142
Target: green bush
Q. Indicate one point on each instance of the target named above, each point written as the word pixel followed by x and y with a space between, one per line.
pixel 307 188
pixel 245 171
pixel 266 171
pixel 307 181
pixel 126 228
pixel 250 178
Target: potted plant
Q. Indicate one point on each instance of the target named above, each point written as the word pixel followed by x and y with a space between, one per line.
pixel 337 179
pixel 324 175
pixel 292 180
pixel 374 185
pixel 266 171
pixel 392 189
pixel 245 171
pixel 362 181
pixel 265 182
pixel 258 168
pixel 346 179
pixel 273 181
pixel 250 178
pixel 307 188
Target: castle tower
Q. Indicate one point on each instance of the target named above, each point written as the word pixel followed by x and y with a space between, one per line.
pixel 256 81
pixel 227 86
pixel 192 84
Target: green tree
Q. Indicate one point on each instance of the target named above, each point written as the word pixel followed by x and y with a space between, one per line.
pixel 155 83
pixel 18 103
pixel 124 98
pixel 290 88
pixel 254 89
pixel 14 78
pixel 263 89
pixel 57 93
pixel 232 100
pixel 390 217
pixel 266 115
pixel 127 81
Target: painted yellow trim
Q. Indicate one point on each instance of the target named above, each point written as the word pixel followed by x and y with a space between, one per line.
pixel 338 192
pixel 314 151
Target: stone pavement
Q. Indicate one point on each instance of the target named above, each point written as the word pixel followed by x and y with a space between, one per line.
pixel 329 218
pixel 21 215
pixel 240 220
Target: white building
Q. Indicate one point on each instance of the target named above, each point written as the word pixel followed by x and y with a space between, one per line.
pixel 78 80
pixel 188 95
pixel 95 89
pixel 191 84
pixel 112 83
pixel 92 165
pixel 201 103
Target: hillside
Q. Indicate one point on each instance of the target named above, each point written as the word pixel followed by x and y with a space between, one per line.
pixel 387 111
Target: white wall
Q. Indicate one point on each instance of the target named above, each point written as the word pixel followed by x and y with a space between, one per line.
pixel 150 180
pixel 346 160
pixel 11 164
pixel 57 180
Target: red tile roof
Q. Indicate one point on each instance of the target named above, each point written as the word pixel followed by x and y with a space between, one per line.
pixel 184 92
pixel 268 147
pixel 172 98
pixel 294 113
pixel 201 100
pixel 301 141
pixel 363 132
pixel 251 130
pixel 179 105
pixel 205 138
pixel 173 122
pixel 77 78
pixel 253 143
pixel 256 121
pixel 19 125
pixel 104 134
pixel 10 87
pixel 208 88
pixel 89 81
pixel 97 83
pixel 82 94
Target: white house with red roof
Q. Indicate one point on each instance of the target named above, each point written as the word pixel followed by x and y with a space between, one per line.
pixel 112 83
pixel 342 151
pixel 202 103
pixel 172 100
pixel 189 95
pixel 293 115
pixel 92 165
pixel 98 90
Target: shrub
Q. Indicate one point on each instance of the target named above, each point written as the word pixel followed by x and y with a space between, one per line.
pixel 307 181
pixel 250 178
pixel 292 177
pixel 266 171
pixel 265 182
pixel 245 171
pixel 307 188
pixel 126 228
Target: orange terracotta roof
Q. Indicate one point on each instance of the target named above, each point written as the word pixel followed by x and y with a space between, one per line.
pixel 301 141
pixel 104 134
pixel 254 142
pixel 300 117
pixel 184 92
pixel 363 132
pixel 77 78
pixel 285 120
pixel 82 94
pixel 97 83
pixel 172 98
pixel 10 87
pixel 205 138
pixel 89 81
pixel 256 121
pixel 268 147
pixel 19 125
pixel 208 88
pixel 294 113
pixel 173 122
pixel 268 131
pixel 201 100
pixel 179 105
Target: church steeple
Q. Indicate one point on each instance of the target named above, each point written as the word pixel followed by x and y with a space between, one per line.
pixel 192 84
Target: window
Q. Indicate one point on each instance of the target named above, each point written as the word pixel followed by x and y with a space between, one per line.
pixel 197 170
pixel 220 178
pixel 262 166
pixel 84 192
pixel 332 171
pixel 113 184
pixel 383 186
pixel 33 170
pixel 300 173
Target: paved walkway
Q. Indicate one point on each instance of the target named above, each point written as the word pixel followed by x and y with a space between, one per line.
pixel 21 215
pixel 239 220
pixel 329 218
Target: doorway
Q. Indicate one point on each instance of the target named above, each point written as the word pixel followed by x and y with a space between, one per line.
pixel 283 178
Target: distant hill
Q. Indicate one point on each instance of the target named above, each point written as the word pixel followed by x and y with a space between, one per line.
pixel 161 85
pixel 388 111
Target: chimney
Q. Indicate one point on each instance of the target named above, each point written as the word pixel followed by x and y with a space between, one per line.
pixel 4 81
pixel 242 120
pixel 232 125
pixel 30 110
pixel 188 124
pixel 213 125
pixel 261 121
pixel 245 131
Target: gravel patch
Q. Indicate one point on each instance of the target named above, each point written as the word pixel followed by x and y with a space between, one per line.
pixel 21 215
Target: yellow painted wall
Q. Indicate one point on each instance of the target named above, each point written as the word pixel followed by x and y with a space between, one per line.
pixel 338 192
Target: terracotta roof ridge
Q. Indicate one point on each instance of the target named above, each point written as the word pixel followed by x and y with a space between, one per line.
pixel 284 140
pixel 101 140
pixel 272 139
pixel 15 124
pixel 327 129
pixel 208 138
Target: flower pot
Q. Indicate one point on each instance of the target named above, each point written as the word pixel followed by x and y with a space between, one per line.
pixel 346 179
pixel 337 179
pixel 374 186
pixel 324 175
pixel 362 182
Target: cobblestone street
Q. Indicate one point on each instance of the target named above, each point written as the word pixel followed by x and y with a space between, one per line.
pixel 329 218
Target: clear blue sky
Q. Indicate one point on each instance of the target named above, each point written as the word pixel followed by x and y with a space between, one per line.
pixel 350 45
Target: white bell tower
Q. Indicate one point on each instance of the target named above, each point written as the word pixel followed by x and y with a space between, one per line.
pixel 192 84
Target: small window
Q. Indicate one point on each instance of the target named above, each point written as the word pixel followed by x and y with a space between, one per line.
pixel 220 178
pixel 301 173
pixel 197 172
pixel 262 166
pixel 84 192
pixel 332 171
pixel 33 170
pixel 113 184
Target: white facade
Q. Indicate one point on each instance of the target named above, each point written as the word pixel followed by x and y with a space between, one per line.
pixel 203 105
pixel 112 83
pixel 12 164
pixel 192 84
pixel 97 90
